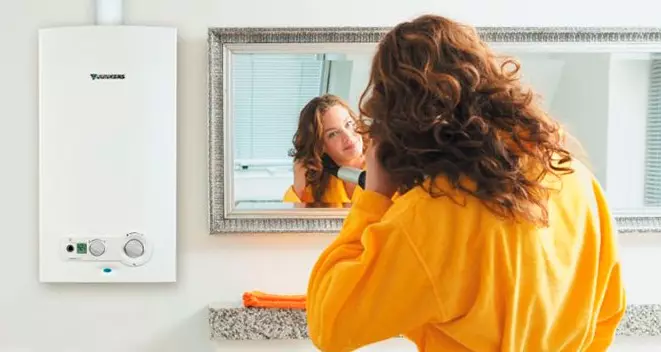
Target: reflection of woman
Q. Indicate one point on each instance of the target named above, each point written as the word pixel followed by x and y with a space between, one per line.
pixel 326 125
pixel 500 239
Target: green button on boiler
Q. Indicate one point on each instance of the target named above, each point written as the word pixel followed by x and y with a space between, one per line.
pixel 81 248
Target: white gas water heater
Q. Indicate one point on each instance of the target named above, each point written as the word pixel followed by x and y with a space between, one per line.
pixel 107 151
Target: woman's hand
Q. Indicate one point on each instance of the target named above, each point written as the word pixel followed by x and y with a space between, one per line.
pixel 378 180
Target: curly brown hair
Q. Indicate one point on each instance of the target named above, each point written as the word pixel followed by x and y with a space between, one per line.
pixel 441 103
pixel 309 141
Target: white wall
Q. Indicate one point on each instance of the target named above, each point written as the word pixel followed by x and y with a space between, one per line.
pixel 601 98
pixel 262 184
pixel 540 72
pixel 581 103
pixel 627 117
pixel 36 317
pixel 359 77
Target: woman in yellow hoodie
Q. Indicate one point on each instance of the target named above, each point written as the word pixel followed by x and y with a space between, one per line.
pixel 326 125
pixel 501 240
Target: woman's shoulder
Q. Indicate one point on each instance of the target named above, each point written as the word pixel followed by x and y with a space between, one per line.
pixel 332 194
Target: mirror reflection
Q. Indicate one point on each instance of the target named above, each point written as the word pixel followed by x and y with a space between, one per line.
pixel 302 106
pixel 609 101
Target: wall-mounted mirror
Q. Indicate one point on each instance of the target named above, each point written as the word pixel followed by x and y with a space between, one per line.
pixel 604 85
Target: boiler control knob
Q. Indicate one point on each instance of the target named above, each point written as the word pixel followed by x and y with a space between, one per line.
pixel 134 248
pixel 97 247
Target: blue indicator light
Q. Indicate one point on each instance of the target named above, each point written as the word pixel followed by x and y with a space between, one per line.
pixel 107 270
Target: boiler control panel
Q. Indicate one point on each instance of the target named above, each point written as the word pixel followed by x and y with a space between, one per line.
pixel 132 249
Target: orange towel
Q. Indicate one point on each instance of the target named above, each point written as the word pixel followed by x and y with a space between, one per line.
pixel 258 299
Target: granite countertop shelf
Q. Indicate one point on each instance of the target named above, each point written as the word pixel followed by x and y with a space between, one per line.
pixel 287 324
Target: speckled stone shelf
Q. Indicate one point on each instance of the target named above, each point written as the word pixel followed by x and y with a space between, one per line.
pixel 287 324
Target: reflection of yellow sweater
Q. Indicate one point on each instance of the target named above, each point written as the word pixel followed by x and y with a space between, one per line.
pixel 455 277
pixel 335 193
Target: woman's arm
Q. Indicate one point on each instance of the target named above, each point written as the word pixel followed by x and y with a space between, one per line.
pixel 299 179
pixel 613 303
pixel 296 192
pixel 370 284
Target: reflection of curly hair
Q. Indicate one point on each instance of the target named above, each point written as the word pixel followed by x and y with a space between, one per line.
pixel 309 141
pixel 442 104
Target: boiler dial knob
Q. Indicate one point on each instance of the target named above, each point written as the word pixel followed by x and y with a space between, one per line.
pixel 97 248
pixel 134 248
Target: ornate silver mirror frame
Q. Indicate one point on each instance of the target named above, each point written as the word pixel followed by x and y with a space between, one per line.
pixel 222 41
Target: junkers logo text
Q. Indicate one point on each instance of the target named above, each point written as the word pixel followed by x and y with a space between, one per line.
pixel 96 76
